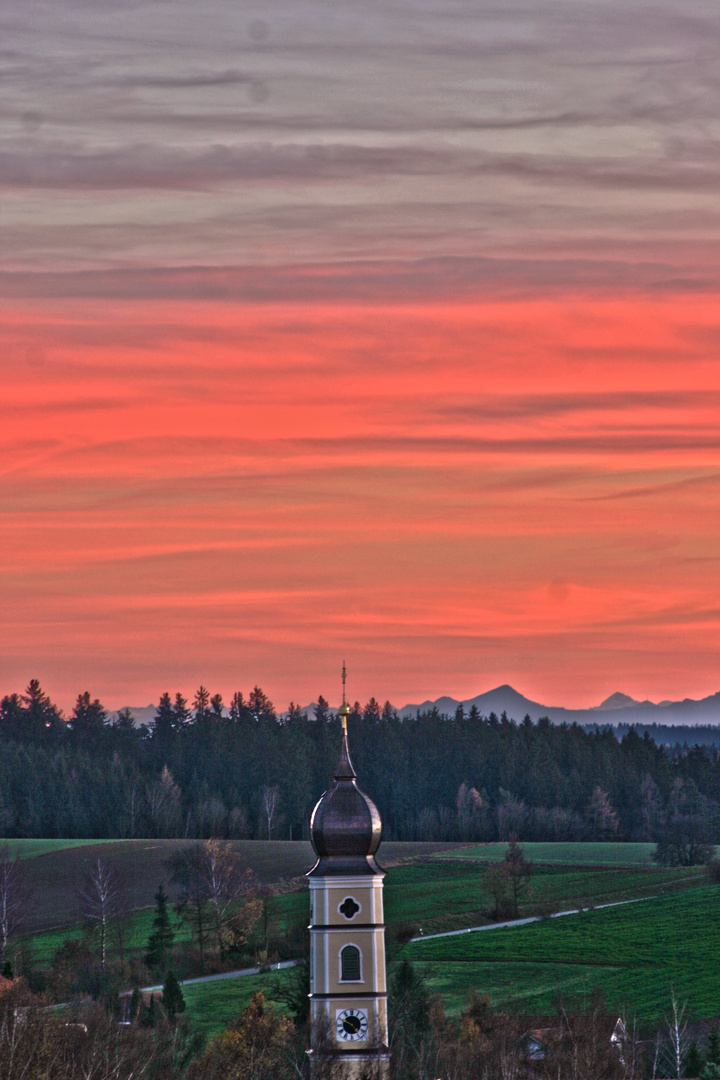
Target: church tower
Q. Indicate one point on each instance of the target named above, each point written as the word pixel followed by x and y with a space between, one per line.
pixel 348 987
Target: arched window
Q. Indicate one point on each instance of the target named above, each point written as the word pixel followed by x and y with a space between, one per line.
pixel 350 964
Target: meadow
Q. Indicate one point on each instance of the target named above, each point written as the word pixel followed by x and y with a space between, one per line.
pixel 442 894
pixel 214 1005
pixel 633 953
pixel 562 853
pixel 56 868
pixel 439 887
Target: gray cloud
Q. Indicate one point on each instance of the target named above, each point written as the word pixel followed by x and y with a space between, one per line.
pixel 391 279
pixel 330 453
pixel 537 406
pixel 146 167
pixel 413 127
pixel 709 482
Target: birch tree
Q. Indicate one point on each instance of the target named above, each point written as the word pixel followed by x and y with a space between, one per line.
pixel 270 802
pixel 676 1036
pixel 100 899
pixel 15 896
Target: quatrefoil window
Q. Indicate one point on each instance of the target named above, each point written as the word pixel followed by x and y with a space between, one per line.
pixel 349 907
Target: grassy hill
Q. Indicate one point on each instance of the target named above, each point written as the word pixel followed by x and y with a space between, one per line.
pixel 564 853
pixel 634 953
pixel 56 867
pixel 441 895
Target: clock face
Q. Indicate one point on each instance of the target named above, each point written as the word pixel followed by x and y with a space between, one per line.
pixel 351 1025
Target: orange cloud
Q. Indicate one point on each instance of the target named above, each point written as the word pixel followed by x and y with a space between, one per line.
pixel 449 495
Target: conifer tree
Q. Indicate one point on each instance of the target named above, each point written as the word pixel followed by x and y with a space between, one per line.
pixel 148 1013
pixel 711 1069
pixel 173 999
pixel 161 939
pixel 88 721
pixel 692 1061
pixel 181 712
pixel 136 1004
pixel 164 724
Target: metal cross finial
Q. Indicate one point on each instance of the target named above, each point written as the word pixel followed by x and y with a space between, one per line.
pixel 344 710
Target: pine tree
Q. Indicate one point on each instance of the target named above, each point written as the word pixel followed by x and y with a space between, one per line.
pixel 173 999
pixel 711 1069
pixel 164 724
pixel 148 1014
pixel 161 939
pixel 88 721
pixel 181 712
pixel 713 1046
pixel 201 705
pixel 692 1062
pixel 136 1004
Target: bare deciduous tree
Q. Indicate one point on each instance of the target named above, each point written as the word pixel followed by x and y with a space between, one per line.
pixel 471 810
pixel 270 803
pixel 15 896
pixel 602 819
pixel 495 882
pixel 519 871
pixel 676 1041
pixel 227 880
pixel 511 814
pixel 100 900
pixel 163 800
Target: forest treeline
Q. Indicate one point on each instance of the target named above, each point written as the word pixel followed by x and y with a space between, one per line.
pixel 203 769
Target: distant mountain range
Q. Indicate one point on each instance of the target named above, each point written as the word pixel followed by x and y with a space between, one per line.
pixel 618 709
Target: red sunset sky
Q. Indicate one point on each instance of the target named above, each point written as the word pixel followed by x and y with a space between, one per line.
pixel 384 333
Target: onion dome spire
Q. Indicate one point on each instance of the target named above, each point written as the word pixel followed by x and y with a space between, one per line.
pixel 345 826
pixel 344 769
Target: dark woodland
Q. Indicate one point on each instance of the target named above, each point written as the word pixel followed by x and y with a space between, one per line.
pixel 204 770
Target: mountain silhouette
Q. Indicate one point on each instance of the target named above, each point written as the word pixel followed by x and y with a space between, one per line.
pixel 617 709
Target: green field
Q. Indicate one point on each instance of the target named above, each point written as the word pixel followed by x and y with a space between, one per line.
pixel 634 953
pixel 56 868
pixel 136 931
pixel 442 894
pixel 213 1005
pixel 28 849
pixel 435 893
pixel 518 987
pixel 586 853
pixel 286 910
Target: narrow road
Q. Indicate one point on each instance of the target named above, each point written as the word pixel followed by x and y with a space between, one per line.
pixel 420 937
pixel 223 975
pixel 530 919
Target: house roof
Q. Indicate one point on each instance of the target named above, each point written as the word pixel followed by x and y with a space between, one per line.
pixel 544 1029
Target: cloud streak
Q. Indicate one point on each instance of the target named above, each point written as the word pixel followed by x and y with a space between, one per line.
pixel 388 332
pixel 476 130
